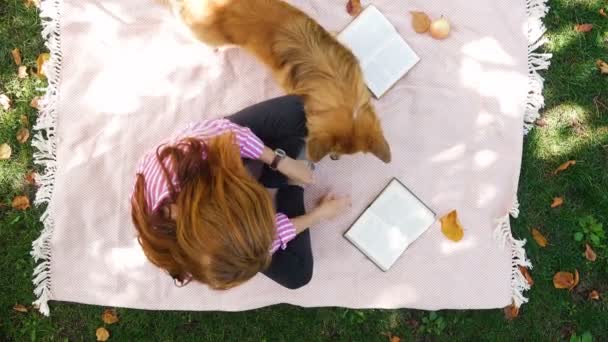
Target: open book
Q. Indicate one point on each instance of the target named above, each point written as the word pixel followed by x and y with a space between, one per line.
pixel 384 56
pixel 394 220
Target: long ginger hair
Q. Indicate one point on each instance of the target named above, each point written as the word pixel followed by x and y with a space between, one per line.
pixel 222 227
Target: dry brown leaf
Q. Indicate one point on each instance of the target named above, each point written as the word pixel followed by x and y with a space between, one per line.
pixel 5 152
pixel 21 203
pixel 557 201
pixel 109 316
pixel 35 103
pixel 603 66
pixel 420 21
pixel 30 3
pixel 603 13
pixel 353 7
pixel 594 295
pixel 526 274
pixel 20 308
pixel 21 72
pixel 564 166
pixel 511 312
pixel 540 239
pixel 24 120
pixel 583 27
pixel 23 135
pixel 16 56
pixel 5 102
pixel 30 177
pixel 566 280
pixel 590 253
pixel 102 334
pixel 395 339
pixel 451 227
pixel 42 58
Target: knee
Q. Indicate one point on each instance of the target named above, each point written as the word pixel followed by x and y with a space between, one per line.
pixel 300 279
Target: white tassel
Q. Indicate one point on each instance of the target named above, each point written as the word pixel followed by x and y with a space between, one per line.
pixel 45 144
pixel 537 9
pixel 504 237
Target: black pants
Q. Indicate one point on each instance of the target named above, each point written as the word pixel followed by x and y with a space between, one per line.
pixel 281 123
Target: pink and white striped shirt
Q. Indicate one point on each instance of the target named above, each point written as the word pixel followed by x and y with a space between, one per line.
pixel 251 147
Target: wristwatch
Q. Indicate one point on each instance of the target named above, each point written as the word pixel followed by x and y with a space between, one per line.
pixel 279 155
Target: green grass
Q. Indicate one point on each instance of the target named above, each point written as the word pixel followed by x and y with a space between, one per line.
pixel 577 128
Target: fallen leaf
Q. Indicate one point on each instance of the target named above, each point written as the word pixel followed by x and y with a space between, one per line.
pixel 395 339
pixel 109 316
pixel 35 103
pixel 603 13
pixel 20 308
pixel 24 120
pixel 102 334
pixel 451 227
pixel 420 21
pixel 22 135
pixel 594 295
pixel 30 177
pixel 16 56
pixel 603 66
pixel 583 27
pixel 42 58
pixel 590 253
pixel 29 3
pixel 540 239
pixel 21 203
pixel 353 7
pixel 564 166
pixel 5 102
pixel 541 122
pixel 5 152
pixel 566 280
pixel 21 72
pixel 557 201
pixel 511 312
pixel 526 274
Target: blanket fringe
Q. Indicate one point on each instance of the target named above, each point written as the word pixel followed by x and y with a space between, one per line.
pixel 537 9
pixel 45 143
pixel 502 233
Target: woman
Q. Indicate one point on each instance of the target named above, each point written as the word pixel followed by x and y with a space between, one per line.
pixel 201 216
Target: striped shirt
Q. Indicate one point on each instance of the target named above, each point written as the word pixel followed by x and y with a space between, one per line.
pixel 250 146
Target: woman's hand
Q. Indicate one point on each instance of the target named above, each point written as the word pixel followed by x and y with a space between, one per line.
pixel 330 206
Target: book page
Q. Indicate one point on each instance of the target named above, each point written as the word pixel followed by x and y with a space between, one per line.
pixel 391 223
pixel 366 35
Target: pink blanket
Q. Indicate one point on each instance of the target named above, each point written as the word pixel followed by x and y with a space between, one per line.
pixel 129 74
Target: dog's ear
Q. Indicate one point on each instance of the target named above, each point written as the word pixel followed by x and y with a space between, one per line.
pixel 317 148
pixel 380 148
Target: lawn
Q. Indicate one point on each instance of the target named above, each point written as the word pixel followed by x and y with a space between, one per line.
pixel 575 127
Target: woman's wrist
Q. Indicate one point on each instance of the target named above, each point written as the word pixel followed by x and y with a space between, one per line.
pixel 267 155
pixel 306 221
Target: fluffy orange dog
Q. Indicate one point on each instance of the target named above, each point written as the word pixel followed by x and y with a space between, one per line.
pixel 306 60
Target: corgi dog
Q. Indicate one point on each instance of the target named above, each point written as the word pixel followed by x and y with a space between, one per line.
pixel 305 60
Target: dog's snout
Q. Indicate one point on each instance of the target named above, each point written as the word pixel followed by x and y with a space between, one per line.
pixel 334 156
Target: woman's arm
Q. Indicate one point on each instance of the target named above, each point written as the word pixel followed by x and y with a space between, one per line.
pixel 297 170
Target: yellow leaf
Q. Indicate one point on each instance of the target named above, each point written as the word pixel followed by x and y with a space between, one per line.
pixel 30 177
pixel 395 339
pixel 420 21
pixel 590 253
pixel 102 334
pixel 353 7
pixel 539 238
pixel 603 66
pixel 20 308
pixel 21 203
pixel 564 166
pixel 451 227
pixel 22 135
pixel 21 72
pixel 16 56
pixel 557 201
pixel 583 27
pixel 603 13
pixel 109 316
pixel 40 61
pixel 5 152
pixel 35 102
pixel 24 120
pixel 29 3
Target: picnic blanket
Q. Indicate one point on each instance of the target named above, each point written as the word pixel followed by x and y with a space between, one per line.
pixel 125 74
